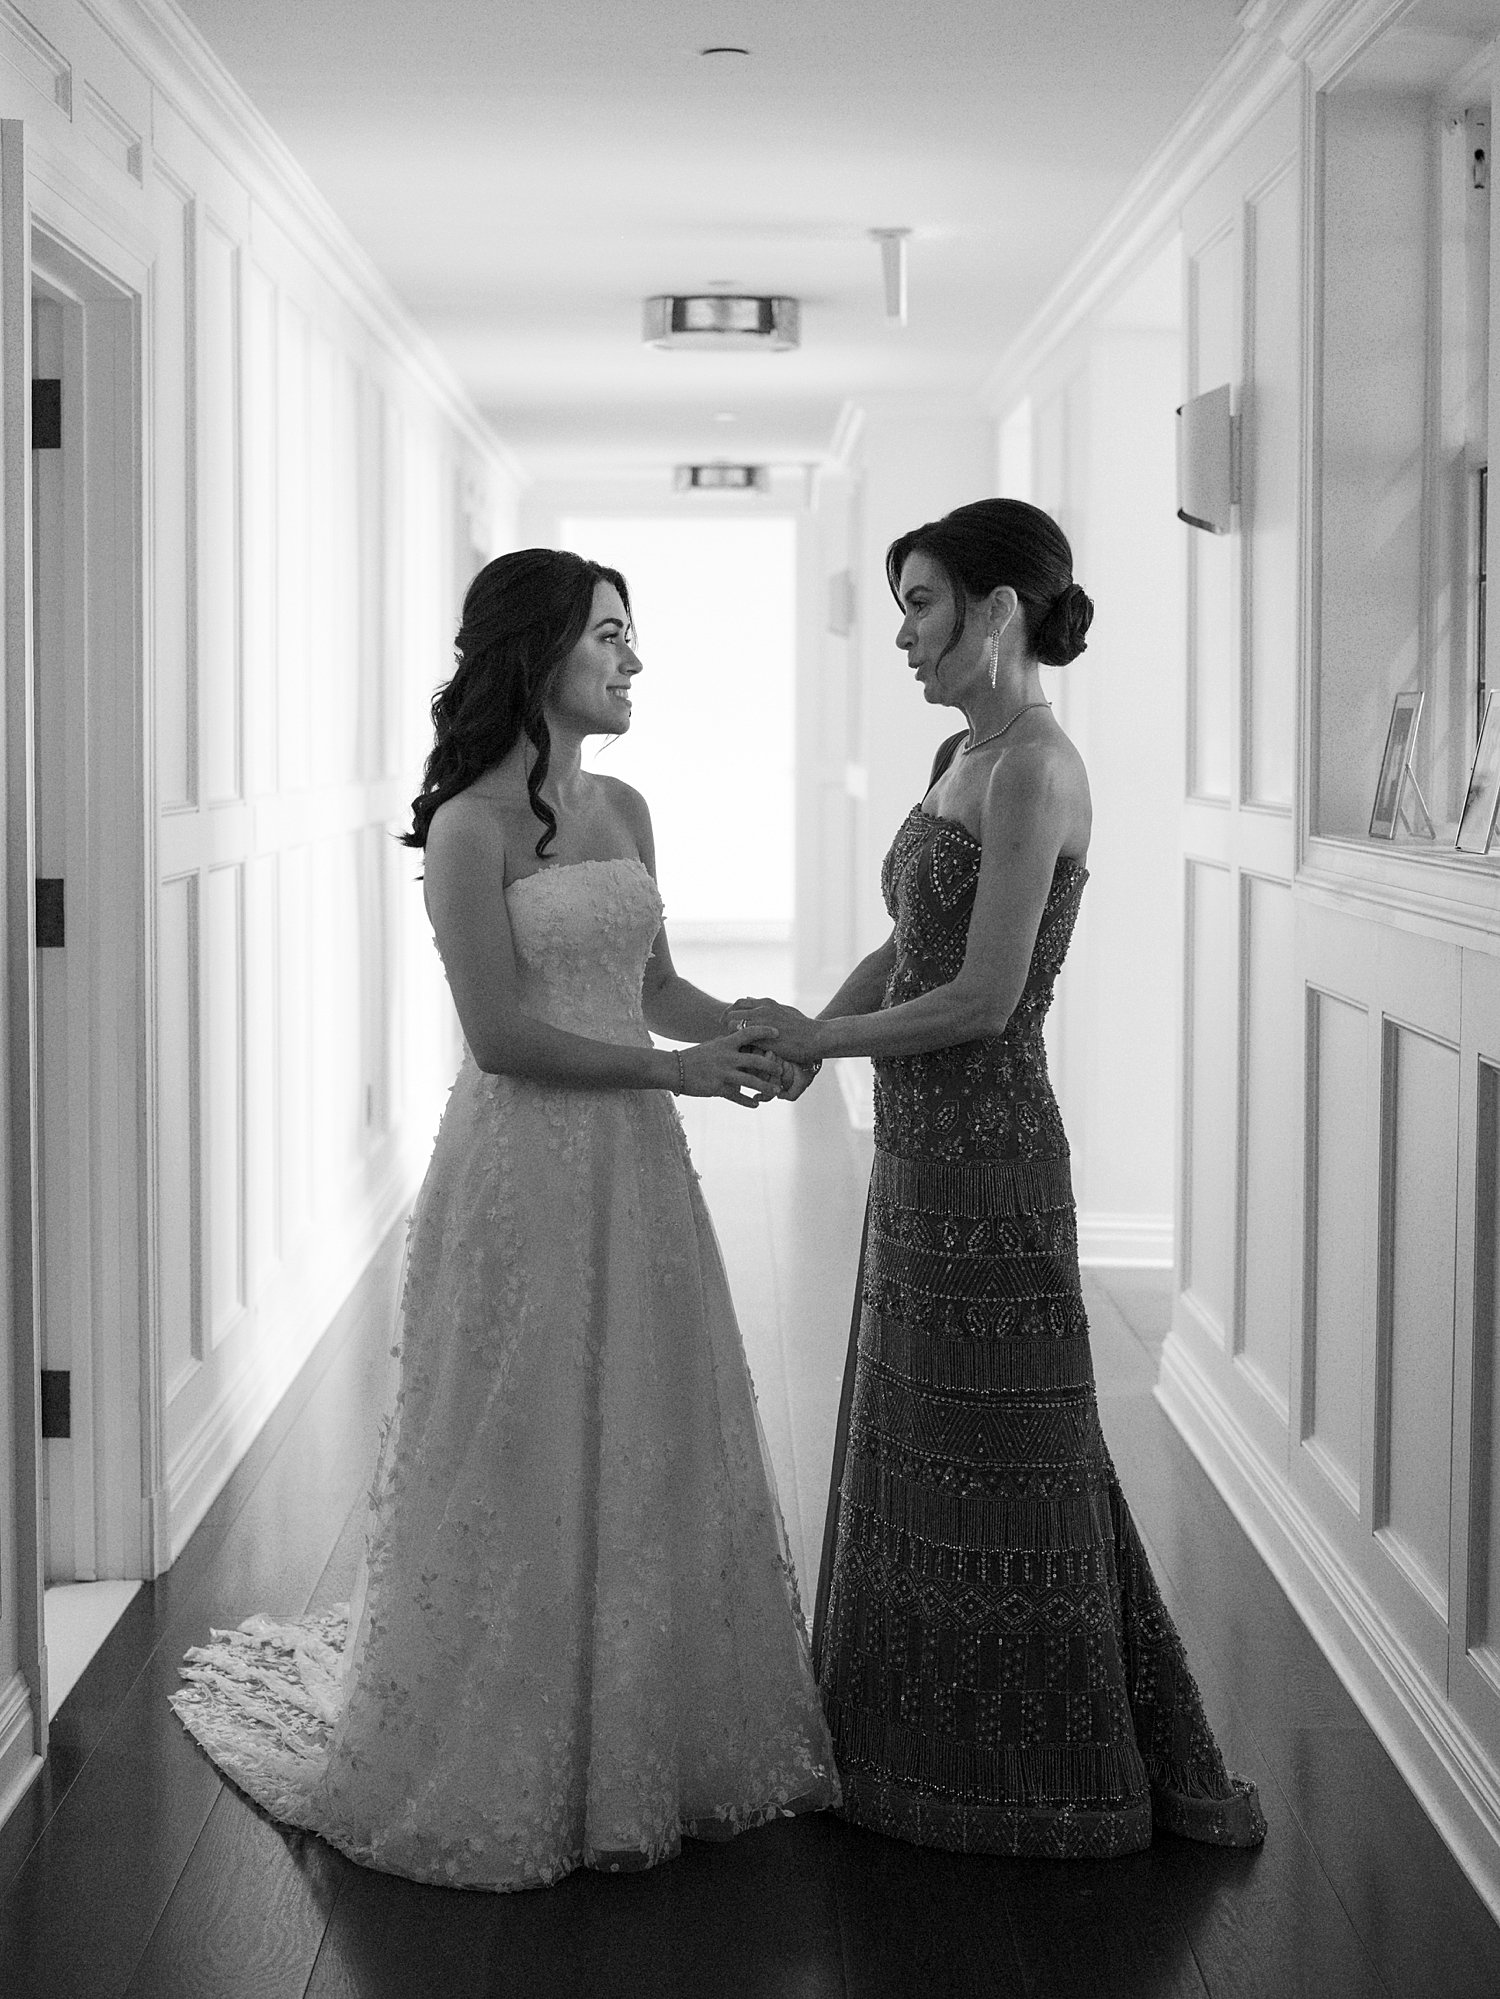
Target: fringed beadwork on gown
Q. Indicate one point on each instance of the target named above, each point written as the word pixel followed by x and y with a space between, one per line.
pixel 997 1666
pixel 576 1636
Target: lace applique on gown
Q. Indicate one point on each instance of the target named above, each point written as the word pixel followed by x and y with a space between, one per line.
pixel 997 1665
pixel 577 1634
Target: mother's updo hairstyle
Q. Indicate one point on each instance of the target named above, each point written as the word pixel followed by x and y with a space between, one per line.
pixel 991 543
pixel 523 614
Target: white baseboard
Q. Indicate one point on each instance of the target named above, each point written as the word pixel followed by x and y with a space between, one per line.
pixel 203 1463
pixel 1455 1781
pixel 1145 1241
pixel 20 1765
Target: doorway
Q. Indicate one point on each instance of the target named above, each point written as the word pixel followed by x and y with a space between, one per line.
pixel 88 971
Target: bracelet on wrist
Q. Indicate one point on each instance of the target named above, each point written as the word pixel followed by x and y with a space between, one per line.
pixel 681 1090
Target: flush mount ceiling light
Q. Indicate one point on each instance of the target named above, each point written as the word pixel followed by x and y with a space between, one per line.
pixel 720 478
pixel 724 49
pixel 718 321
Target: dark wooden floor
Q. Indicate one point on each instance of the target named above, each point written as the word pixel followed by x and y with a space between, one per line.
pixel 132 1869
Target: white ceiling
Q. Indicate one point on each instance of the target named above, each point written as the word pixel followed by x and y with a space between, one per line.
pixel 526 171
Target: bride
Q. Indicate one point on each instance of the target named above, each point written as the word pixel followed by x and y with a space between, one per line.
pixel 576 1634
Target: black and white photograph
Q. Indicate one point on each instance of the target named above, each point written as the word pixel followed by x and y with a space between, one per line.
pixel 1395 765
pixel 1476 826
pixel 748 1134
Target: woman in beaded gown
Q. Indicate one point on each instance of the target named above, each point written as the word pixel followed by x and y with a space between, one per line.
pixel 576 1634
pixel 997 1666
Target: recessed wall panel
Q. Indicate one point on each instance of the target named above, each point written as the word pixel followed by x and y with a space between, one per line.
pixel 1484 1514
pixel 1271 1090
pixel 392 584
pixel 337 684
pixel 428 619
pixel 1421 1220
pixel 225 1096
pixel 1270 427
pixel 176 1128
pixel 325 611
pixel 174 373
pixel 1213 308
pixel 377 973
pixel 218 564
pixel 1211 1093
pixel 262 1221
pixel 294 1017
pixel 338 1069
pixel 293 566
pixel 1342 1169
pixel 259 532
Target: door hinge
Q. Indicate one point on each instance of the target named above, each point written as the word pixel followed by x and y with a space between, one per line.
pixel 49 913
pixel 57 1402
pixel 46 414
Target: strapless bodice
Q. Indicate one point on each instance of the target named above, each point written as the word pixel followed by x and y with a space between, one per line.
pixel 583 932
pixel 990 1098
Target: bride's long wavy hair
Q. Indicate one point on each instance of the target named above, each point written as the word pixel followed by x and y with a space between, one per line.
pixel 523 614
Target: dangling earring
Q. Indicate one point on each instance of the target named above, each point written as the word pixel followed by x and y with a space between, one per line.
pixel 992 647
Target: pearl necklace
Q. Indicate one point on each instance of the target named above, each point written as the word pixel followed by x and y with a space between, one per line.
pixel 965 748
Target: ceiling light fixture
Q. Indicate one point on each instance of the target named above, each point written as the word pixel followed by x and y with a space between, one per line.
pixel 893 268
pixel 724 49
pixel 715 322
pixel 720 478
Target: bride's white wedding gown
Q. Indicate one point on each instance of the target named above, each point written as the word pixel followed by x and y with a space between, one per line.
pixel 576 1634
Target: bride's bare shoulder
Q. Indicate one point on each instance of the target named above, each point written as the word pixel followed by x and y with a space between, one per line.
pixel 466 829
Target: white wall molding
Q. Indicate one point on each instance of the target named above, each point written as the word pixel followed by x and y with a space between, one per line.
pixel 1280 37
pixel 200 1468
pixel 159 40
pixel 1255 71
pixel 1450 899
pixel 1438 1756
pixel 19 1763
pixel 1105 1239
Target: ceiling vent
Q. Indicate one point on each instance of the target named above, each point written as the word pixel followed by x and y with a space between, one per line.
pixel 720 478
pixel 716 321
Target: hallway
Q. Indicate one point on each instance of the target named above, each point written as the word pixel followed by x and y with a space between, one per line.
pixel 311 308
pixel 130 1868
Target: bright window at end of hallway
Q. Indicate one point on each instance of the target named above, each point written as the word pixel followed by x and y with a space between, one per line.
pixel 711 741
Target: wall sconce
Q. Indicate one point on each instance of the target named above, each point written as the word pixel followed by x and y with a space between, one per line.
pixel 1208 470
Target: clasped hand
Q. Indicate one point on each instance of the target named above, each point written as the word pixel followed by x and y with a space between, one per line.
pixel 795 1047
pixel 744 1065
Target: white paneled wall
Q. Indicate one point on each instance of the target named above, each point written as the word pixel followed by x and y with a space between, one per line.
pixel 1270 1079
pixel 310 495
pixel 1333 1357
pixel 1095 449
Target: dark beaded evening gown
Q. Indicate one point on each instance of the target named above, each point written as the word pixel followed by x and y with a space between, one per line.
pixel 997 1666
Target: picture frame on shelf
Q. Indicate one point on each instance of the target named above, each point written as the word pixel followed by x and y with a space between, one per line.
pixel 1396 774
pixel 1476 826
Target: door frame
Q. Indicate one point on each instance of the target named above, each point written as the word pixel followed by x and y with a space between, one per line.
pixel 102 254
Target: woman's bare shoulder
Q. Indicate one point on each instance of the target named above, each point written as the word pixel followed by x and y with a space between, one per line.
pixel 468 827
pixel 1043 778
